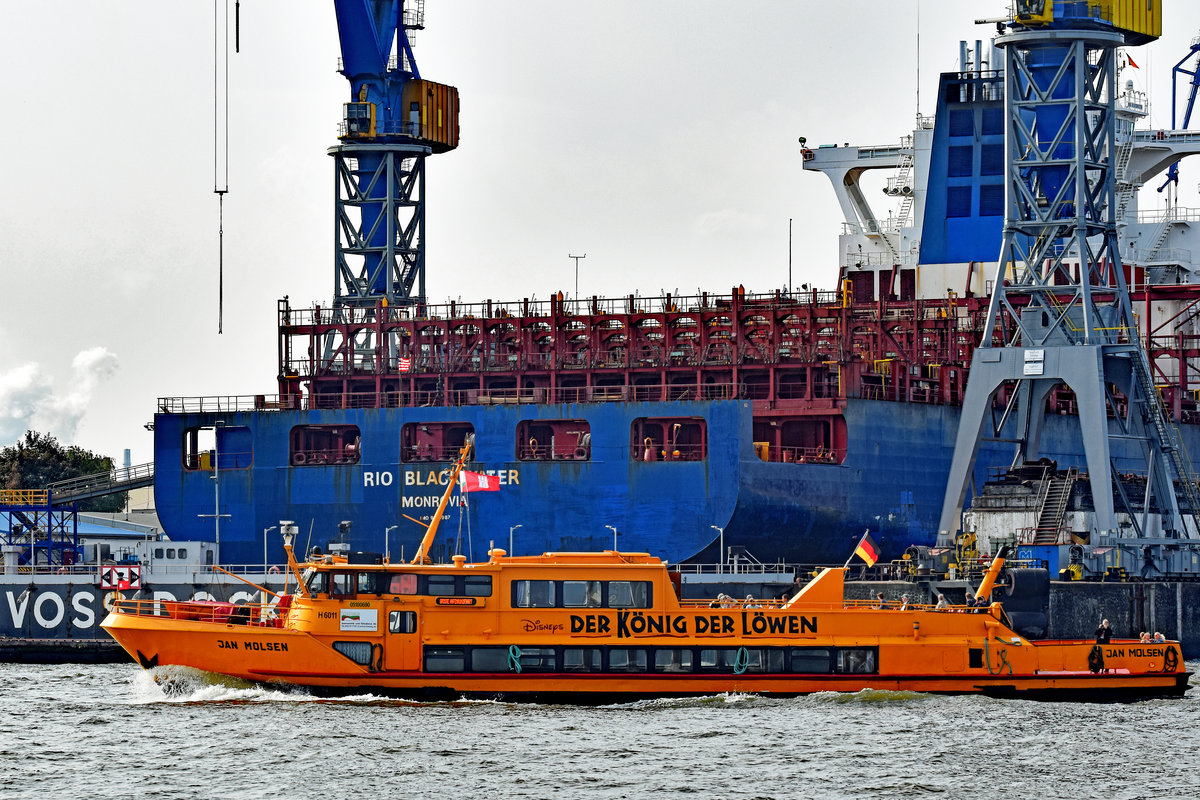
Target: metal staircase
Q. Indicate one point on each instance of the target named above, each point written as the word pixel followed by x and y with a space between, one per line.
pixel 1160 234
pixel 1054 506
pixel 1125 188
pixel 1155 416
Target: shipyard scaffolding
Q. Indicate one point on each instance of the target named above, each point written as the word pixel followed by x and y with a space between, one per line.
pixel 1060 310
pixel 35 532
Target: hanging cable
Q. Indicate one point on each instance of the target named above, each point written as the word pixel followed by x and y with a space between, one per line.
pixel 220 145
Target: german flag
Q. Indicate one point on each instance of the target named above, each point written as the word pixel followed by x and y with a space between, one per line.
pixel 867 550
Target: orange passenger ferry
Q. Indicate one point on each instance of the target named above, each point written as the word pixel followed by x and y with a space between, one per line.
pixel 611 626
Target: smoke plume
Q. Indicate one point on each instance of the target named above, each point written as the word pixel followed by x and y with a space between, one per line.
pixel 29 400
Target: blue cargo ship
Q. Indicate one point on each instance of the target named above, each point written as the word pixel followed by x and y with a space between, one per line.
pixel 775 426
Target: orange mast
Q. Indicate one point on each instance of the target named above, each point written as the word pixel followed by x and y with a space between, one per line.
pixel 422 556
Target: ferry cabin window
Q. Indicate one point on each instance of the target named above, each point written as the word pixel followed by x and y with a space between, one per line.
pixel 405 583
pixel 581 594
pixel 628 594
pixel 440 585
pixel 538 659
pixel 183 552
pixel 581 659
pixel 477 585
pixel 489 659
pixel 402 622
pixel 742 659
pixel 626 659
pixel 158 552
pixel 672 660
pixel 534 594
pixel 815 660
pixel 444 659
pixel 323 445
pixel 856 660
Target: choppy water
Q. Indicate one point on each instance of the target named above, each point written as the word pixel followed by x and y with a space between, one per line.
pixel 112 732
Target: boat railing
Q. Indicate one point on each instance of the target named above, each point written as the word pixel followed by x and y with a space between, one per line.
pixel 432 319
pixel 261 615
pixel 184 571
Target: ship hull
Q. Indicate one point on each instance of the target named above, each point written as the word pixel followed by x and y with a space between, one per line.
pixel 891 482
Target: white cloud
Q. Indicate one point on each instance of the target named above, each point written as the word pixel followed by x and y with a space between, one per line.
pixel 28 399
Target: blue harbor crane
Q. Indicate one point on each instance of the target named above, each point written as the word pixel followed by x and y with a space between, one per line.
pixel 393 120
pixel 1060 312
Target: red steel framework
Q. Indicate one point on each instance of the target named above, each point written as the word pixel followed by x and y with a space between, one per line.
pixel 790 355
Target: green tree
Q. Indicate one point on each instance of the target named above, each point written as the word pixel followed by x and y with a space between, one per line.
pixel 38 460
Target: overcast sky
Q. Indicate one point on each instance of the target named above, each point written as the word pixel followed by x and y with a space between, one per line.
pixel 657 137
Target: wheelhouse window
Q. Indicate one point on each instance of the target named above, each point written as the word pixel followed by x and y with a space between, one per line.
pixel 317 581
pixel 668 439
pixel 322 445
pixel 554 440
pixel 434 441
pixel 343 584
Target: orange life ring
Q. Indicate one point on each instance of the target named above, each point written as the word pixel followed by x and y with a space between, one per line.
pixel 273 571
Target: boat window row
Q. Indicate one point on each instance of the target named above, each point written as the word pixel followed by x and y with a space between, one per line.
pixel 352 582
pixel 719 660
pixel 170 552
pixel 582 594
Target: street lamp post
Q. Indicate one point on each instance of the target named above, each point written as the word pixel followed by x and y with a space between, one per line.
pixel 721 555
pixel 387 553
pixel 577 279
pixel 265 532
pixel 510 539
pixel 614 530
pixel 216 470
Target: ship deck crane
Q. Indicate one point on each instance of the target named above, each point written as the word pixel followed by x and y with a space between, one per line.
pixel 1194 73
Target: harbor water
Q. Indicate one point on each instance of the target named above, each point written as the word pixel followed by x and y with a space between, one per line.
pixel 113 731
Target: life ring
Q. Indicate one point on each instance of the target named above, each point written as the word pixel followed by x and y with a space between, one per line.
pixel 273 571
